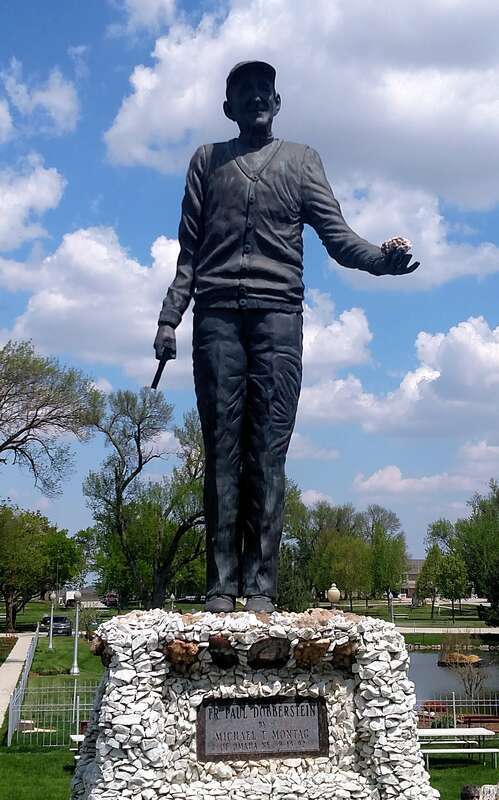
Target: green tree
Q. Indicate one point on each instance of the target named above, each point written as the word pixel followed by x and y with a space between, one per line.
pixel 132 425
pixel 27 542
pixel 477 543
pixel 297 530
pixel 346 560
pixel 378 516
pixel 146 535
pixel 428 581
pixel 352 566
pixel 453 579
pixel 41 402
pixel 389 560
pixel 442 533
pixel 66 561
pixel 341 520
pixel 293 590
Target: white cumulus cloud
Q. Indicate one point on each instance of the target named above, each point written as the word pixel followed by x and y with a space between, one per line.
pixel 302 448
pixel 6 124
pixel 476 463
pixel 312 496
pixel 25 194
pixel 399 91
pixel 143 15
pixel 90 299
pixel 453 388
pixel 390 481
pixel 331 342
pixel 56 100
pixel 381 210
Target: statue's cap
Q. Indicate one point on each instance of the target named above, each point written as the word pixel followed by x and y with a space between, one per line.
pixel 242 65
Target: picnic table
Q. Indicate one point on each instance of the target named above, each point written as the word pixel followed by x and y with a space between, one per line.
pixel 457 737
pixel 76 741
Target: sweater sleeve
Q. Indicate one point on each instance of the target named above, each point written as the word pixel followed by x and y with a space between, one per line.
pixel 322 211
pixel 189 235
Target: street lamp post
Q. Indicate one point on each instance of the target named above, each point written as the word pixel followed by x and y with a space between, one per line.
pixel 75 670
pixel 333 594
pixel 172 600
pixel 390 600
pixel 53 598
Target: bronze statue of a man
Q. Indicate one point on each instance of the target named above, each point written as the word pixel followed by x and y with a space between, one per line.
pixel 241 250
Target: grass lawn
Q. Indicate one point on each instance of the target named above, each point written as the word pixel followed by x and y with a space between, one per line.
pixel 407 615
pixel 449 777
pixel 39 775
pixel 45 775
pixel 59 660
pixel 6 645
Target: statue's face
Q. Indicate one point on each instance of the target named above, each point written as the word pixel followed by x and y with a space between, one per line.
pixel 253 102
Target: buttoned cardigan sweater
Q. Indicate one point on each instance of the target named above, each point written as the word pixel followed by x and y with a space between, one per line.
pixel 241 232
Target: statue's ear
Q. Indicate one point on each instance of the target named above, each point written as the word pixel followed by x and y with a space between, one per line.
pixel 277 102
pixel 228 110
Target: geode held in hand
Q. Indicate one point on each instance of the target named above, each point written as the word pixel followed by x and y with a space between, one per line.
pixel 396 243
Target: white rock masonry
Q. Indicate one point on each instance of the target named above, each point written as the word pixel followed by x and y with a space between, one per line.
pixel 141 742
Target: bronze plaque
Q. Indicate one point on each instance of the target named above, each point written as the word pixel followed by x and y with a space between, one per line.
pixel 273 727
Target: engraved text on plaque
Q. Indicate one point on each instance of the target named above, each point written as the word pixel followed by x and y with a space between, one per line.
pixel 274 727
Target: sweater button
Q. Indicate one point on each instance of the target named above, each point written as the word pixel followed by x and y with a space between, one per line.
pixel 247 248
pixel 252 198
pixel 242 302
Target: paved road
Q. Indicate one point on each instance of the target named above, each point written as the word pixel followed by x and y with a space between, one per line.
pixel 449 629
pixel 11 670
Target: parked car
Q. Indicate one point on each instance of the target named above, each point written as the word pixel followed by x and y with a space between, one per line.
pixel 111 600
pixel 62 625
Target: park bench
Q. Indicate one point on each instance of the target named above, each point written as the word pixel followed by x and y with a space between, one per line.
pixel 490 720
pixel 76 742
pixel 492 751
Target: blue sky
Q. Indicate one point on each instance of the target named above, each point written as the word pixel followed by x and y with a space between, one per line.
pixel 101 106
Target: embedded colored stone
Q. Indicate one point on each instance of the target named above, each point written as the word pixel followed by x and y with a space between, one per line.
pixel 309 653
pixel 181 654
pixel 97 645
pixel 222 653
pixel 271 652
pixel 344 655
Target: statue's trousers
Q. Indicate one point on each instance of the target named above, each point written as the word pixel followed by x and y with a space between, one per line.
pixel 247 374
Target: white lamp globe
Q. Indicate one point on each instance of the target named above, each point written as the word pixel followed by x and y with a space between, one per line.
pixel 333 594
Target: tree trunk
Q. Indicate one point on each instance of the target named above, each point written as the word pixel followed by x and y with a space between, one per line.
pixel 158 596
pixel 460 606
pixel 351 602
pixel 432 606
pixel 367 601
pixel 10 612
pixel 453 611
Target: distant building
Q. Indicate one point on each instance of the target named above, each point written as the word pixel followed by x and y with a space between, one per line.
pixel 414 566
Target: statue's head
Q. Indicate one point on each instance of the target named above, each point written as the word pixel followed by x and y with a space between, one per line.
pixel 252 101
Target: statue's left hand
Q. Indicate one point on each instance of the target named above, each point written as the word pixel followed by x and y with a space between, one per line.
pixel 396 262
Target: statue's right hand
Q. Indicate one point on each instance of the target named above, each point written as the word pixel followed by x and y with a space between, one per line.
pixel 165 339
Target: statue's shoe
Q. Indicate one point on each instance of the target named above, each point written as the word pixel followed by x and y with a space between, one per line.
pixel 220 604
pixel 260 602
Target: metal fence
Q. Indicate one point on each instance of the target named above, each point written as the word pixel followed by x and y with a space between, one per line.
pixel 17 695
pixel 452 709
pixel 51 711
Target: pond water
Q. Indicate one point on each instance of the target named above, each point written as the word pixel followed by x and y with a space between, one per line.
pixel 432 680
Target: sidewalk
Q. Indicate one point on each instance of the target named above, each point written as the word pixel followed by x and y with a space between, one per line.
pixel 11 670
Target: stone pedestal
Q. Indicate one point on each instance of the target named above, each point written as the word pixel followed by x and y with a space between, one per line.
pixel 252 707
